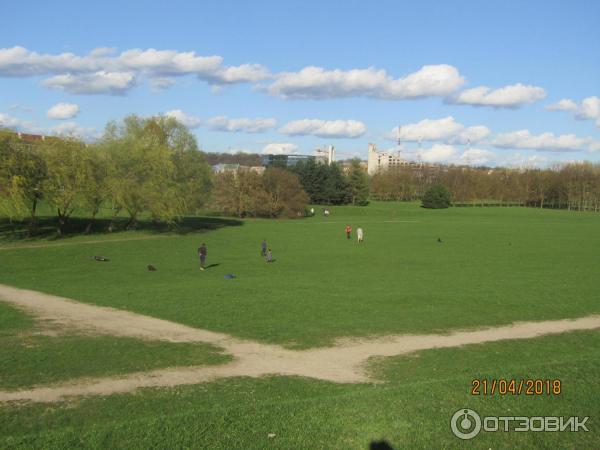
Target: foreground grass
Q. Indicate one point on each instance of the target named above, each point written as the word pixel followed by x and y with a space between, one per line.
pixel 28 358
pixel 412 409
pixel 493 266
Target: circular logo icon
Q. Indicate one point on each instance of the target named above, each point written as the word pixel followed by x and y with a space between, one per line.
pixel 465 424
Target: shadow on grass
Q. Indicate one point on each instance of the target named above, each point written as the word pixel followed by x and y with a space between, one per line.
pixel 76 226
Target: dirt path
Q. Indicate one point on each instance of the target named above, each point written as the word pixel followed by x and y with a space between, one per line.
pixel 343 363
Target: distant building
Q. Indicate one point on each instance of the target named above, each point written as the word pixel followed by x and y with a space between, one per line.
pixel 284 160
pixel 223 167
pixel 382 161
pixel 325 156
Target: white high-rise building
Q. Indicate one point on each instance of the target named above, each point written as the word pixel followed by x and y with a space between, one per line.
pixel 382 161
pixel 325 156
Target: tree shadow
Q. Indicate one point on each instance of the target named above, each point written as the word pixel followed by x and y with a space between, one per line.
pixel 76 226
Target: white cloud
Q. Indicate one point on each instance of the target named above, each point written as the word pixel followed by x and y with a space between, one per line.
pixel 73 129
pixel 222 123
pixel 280 148
pixel 183 118
pixel 77 73
pixel 7 121
pixel 523 139
pixel 512 96
pixel 594 146
pixel 477 157
pixel 161 83
pixel 62 129
pixel 113 83
pixel 324 128
pixel 438 153
pixel 564 105
pixel 317 83
pixel 447 130
pixel 63 111
pixel 588 109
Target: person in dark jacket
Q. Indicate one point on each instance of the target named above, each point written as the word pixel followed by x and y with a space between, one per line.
pixel 202 254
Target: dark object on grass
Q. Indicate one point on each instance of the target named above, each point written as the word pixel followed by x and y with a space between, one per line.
pixel 229 276
pixel 440 240
pixel 380 445
pixel 151 268
pixel 101 258
pixel 437 197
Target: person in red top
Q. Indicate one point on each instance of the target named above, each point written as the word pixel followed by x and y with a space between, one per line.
pixel 348 231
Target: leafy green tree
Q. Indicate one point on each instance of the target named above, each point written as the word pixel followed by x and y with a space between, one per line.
pixel 437 197
pixel 359 184
pixel 154 167
pixel 323 183
pixel 96 190
pixel 22 172
pixel 66 177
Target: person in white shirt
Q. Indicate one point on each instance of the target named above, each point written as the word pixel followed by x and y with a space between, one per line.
pixel 360 234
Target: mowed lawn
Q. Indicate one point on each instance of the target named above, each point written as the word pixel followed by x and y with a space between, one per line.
pixel 493 266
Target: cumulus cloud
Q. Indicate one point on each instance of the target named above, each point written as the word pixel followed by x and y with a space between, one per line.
pixel 438 153
pixel 447 130
pixel 523 139
pixel 588 109
pixel 79 72
pixel 8 121
pixel 63 129
pixel 63 111
pixel 113 83
pixel 280 148
pixel 183 118
pixel 594 146
pixel 222 123
pixel 74 130
pixel 477 157
pixel 161 83
pixel 318 83
pixel 324 128
pixel 512 96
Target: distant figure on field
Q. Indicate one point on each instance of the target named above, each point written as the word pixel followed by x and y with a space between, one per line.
pixel 360 234
pixel 348 231
pixel 312 211
pixel 326 212
pixel 202 253
pixel 269 256
pixel 263 248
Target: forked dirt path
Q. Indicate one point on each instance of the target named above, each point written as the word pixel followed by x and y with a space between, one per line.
pixel 343 363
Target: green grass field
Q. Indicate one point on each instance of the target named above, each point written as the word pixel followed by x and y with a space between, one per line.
pixel 494 266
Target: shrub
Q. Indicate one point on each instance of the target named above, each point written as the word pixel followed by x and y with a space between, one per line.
pixel 437 197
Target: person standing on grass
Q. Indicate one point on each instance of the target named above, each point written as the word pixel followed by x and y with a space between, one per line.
pixel 348 231
pixel 360 234
pixel 202 253
pixel 263 248
pixel 269 256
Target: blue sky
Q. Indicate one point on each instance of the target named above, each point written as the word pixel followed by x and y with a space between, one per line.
pixel 495 82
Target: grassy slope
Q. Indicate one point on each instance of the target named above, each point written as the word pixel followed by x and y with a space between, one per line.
pixel 411 410
pixel 28 358
pixel 493 267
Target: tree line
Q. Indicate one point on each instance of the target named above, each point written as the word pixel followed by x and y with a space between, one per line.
pixel 573 186
pixel 142 166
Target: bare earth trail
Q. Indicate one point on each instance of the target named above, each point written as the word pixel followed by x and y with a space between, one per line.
pixel 343 363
